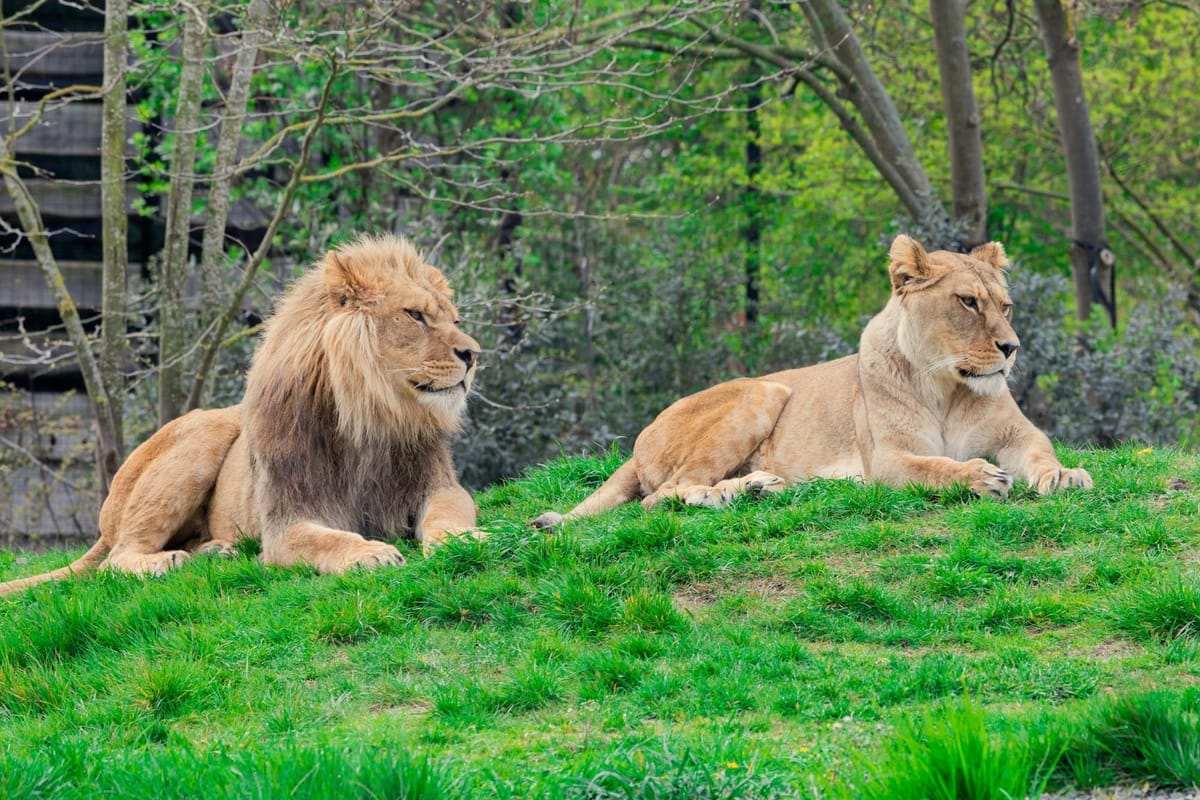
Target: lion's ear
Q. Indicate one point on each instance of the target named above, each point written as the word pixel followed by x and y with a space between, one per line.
pixel 438 281
pixel 909 264
pixel 991 253
pixel 347 285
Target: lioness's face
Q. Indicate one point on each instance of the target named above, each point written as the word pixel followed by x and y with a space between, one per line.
pixel 958 320
pixel 434 361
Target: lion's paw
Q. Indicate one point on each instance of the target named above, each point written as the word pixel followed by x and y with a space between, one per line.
pixel 551 519
pixel 434 540
pixel 148 564
pixel 162 563
pixel 367 555
pixel 1060 478
pixel 989 480
pixel 222 549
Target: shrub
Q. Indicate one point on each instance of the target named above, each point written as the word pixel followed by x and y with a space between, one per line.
pixel 1086 383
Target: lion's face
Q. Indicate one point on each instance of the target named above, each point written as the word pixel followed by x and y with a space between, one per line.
pixel 431 359
pixel 956 314
pixel 393 338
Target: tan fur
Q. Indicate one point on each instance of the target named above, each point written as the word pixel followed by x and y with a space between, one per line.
pixel 923 401
pixel 355 390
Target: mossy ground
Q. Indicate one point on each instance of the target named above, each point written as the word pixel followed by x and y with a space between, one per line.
pixel 783 646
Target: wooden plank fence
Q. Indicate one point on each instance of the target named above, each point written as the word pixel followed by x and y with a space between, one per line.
pixel 47 472
pixel 47 484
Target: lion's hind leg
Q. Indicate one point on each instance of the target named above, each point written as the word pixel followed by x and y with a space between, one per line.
pixel 691 449
pixel 159 496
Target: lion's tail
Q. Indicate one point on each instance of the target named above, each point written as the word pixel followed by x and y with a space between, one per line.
pixel 81 566
pixel 624 485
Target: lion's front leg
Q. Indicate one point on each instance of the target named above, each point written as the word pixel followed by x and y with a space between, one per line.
pixel 450 511
pixel 326 549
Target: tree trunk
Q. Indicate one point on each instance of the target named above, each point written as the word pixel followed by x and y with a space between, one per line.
pixel 967 179
pixel 1091 261
pixel 115 224
pixel 35 230
pixel 173 273
pixel 872 101
pixel 211 340
pixel 752 200
pixel 219 192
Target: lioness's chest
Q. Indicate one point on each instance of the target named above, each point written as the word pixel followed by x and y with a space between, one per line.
pixel 962 434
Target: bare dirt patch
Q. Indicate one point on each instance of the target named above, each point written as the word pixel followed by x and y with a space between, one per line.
pixel 699 596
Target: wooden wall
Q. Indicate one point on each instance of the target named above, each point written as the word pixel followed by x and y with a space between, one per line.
pixel 47 482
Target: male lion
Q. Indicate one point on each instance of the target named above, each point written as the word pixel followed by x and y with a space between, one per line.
pixel 359 382
pixel 924 398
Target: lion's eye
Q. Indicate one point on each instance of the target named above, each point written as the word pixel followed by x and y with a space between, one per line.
pixel 1008 310
pixel 969 302
pixel 416 315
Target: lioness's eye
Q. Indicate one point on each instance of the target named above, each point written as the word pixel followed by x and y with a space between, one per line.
pixel 969 302
pixel 1008 310
pixel 416 315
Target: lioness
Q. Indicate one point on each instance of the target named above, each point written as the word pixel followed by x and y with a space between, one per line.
pixel 343 435
pixel 924 398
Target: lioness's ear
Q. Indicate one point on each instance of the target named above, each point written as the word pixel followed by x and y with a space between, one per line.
pixel 909 263
pixel 346 285
pixel 991 253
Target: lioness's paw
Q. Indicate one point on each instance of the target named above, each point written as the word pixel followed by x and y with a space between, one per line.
pixel 989 480
pixel 717 496
pixel 697 496
pixel 367 555
pixel 1062 478
pixel 761 482
pixel 551 519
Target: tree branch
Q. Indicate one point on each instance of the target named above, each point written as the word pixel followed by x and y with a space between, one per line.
pixel 212 345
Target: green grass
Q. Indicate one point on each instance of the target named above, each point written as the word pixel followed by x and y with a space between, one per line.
pixel 835 640
pixel 952 755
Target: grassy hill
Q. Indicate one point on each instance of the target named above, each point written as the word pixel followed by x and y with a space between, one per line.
pixel 835 640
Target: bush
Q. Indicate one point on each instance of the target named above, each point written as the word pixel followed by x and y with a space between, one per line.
pixel 1088 384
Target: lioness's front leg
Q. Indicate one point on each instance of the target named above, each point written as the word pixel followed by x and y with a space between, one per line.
pixel 324 548
pixel 1026 451
pixel 983 477
pixel 450 511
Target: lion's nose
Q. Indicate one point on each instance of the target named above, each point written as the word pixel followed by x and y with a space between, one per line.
pixel 1008 348
pixel 468 357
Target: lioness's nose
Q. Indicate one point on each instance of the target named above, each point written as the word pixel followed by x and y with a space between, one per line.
pixel 469 357
pixel 1008 348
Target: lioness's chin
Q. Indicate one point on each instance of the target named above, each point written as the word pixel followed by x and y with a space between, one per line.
pixel 992 385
